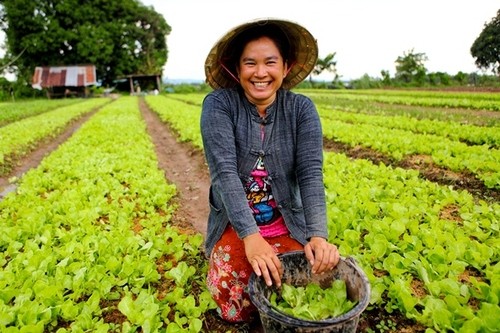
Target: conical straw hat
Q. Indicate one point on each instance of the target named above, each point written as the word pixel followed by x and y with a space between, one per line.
pixel 220 71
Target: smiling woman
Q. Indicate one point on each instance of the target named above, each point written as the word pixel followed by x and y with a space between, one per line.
pixel 264 149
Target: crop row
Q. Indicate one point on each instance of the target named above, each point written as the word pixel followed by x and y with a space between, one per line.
pixel 469 134
pixel 86 244
pixel 185 123
pixel 459 116
pixel 465 100
pixel 453 155
pixel 19 137
pixel 13 111
pixel 430 252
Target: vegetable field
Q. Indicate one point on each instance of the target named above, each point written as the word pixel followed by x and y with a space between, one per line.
pixel 91 239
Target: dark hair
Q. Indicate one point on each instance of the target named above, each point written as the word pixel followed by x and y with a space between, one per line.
pixel 273 31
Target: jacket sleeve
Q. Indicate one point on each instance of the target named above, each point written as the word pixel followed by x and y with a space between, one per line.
pixel 228 194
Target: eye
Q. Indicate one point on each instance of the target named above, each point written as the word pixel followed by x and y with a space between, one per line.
pixel 272 61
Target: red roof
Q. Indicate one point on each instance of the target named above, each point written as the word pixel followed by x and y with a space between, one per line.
pixel 64 76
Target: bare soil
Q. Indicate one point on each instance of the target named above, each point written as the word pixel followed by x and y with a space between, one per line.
pixel 185 166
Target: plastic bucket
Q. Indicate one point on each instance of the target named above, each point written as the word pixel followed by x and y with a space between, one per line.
pixel 297 272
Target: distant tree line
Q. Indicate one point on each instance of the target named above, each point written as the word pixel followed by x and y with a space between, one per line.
pixel 411 71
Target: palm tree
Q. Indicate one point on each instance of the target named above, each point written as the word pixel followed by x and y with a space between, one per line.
pixel 327 64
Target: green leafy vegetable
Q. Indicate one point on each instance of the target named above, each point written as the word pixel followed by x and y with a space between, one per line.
pixel 313 302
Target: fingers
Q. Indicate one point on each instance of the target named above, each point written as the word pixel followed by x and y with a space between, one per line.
pixel 263 259
pixel 256 267
pixel 326 259
pixel 269 267
pixel 322 255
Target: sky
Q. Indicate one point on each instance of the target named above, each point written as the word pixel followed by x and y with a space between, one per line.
pixel 367 36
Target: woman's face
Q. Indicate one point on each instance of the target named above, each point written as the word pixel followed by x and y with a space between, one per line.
pixel 261 71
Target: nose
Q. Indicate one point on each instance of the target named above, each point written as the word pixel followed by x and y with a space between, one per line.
pixel 260 70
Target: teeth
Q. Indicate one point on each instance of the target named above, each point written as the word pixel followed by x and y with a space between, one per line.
pixel 260 84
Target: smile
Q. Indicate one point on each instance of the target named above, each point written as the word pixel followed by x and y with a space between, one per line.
pixel 260 84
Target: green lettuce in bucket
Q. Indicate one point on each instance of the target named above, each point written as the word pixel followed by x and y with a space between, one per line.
pixel 310 294
pixel 312 302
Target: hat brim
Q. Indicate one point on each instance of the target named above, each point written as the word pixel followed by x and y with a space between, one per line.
pixel 304 44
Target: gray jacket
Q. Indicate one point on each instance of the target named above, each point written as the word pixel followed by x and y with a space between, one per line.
pixel 293 155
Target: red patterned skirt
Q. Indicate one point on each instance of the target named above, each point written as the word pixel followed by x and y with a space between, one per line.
pixel 229 272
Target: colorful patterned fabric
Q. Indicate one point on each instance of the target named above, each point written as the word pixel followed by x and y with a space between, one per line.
pixel 229 273
pixel 262 202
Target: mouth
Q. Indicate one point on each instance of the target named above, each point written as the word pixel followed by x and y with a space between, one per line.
pixel 261 84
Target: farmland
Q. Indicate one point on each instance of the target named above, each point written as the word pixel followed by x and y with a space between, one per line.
pixel 104 232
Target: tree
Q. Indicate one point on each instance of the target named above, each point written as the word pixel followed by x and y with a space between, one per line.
pixel 410 67
pixel 119 37
pixel 486 47
pixel 327 64
pixel 386 77
pixel 439 79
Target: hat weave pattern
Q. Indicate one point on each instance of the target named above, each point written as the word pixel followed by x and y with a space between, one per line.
pixel 305 46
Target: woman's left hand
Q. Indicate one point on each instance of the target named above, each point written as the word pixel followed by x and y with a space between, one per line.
pixel 322 255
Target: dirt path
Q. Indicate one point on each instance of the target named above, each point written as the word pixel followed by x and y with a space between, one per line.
pixel 185 167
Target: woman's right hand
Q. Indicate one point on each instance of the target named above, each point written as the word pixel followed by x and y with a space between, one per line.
pixel 263 259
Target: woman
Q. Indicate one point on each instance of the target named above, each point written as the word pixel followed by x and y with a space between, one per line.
pixel 264 149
